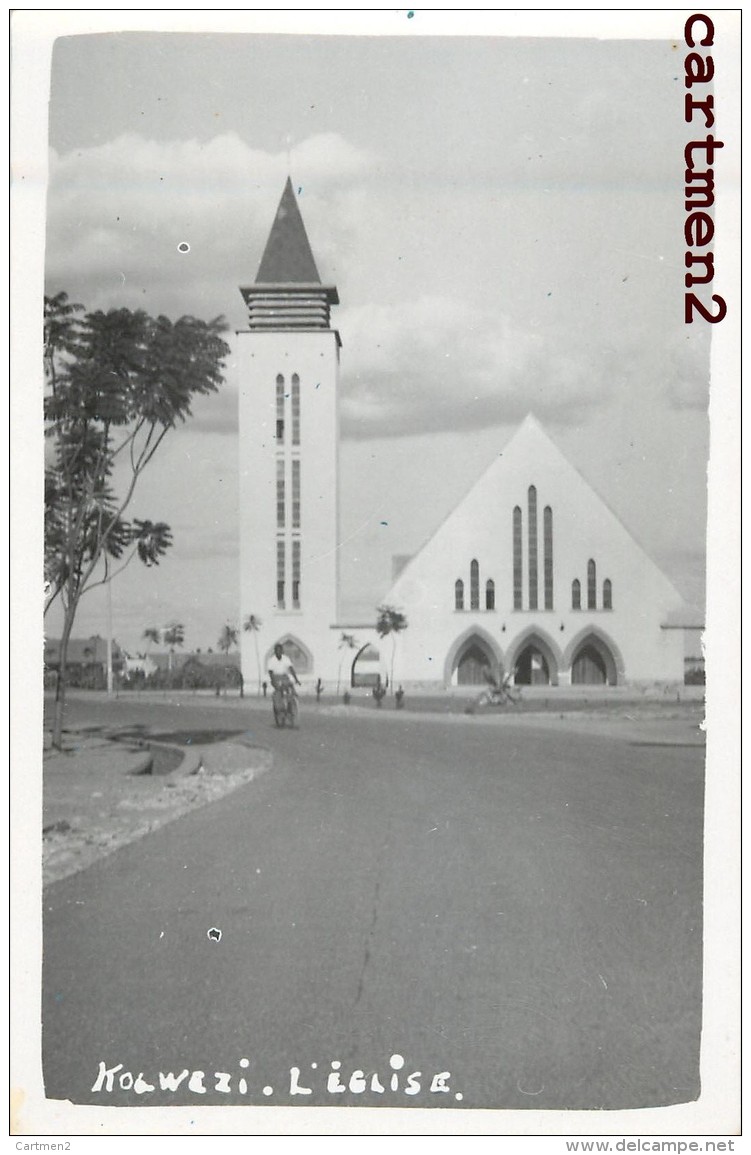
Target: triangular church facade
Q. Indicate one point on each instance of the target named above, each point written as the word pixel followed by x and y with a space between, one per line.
pixel 531 575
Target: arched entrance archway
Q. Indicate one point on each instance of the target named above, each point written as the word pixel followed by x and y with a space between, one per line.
pixel 593 663
pixel 366 668
pixel 472 664
pixel 534 660
pixel 531 668
pixel 470 656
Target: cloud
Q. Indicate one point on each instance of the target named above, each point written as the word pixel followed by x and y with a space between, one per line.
pixel 413 362
pixel 441 364
pixel 118 212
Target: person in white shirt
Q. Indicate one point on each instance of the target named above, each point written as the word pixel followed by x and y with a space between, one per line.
pixel 281 670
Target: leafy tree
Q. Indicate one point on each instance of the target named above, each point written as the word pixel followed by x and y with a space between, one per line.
pixel 346 642
pixel 253 624
pixel 390 623
pixel 116 383
pixel 152 635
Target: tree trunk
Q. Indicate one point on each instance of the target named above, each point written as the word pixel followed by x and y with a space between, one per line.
pixel 57 725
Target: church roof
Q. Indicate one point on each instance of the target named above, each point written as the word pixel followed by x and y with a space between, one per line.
pixel 288 258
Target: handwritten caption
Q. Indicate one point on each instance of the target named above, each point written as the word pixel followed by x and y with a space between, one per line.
pixel 394 1081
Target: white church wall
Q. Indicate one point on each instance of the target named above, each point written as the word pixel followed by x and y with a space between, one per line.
pixel 584 529
pixel 313 356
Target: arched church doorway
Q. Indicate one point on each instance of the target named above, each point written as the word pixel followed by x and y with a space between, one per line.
pixel 535 660
pixel 532 668
pixel 472 662
pixel 593 664
pixel 471 666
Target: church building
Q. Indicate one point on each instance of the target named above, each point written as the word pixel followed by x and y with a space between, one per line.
pixel 531 575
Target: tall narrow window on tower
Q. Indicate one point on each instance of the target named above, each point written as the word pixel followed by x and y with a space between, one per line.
pixel 517 558
pixel 295 574
pixel 280 575
pixel 548 556
pixel 280 494
pixel 295 409
pixel 532 541
pixel 295 493
pixel 280 409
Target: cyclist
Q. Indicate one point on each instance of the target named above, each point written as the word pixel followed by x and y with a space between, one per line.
pixel 281 674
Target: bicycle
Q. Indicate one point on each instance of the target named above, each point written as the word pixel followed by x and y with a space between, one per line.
pixel 502 695
pixel 285 706
pixel 507 695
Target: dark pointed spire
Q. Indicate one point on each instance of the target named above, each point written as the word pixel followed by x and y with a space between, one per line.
pixel 287 293
pixel 288 258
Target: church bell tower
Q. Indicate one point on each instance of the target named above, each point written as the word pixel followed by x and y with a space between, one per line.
pixel 288 363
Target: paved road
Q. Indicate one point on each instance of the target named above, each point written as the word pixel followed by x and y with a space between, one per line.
pixel 521 909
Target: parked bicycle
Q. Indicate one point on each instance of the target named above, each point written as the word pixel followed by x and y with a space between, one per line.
pixel 502 693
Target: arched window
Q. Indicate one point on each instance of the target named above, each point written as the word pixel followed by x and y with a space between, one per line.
pixel 517 558
pixel 490 594
pixel 459 594
pixel 591 585
pixel 532 545
pixel 474 585
pixel 548 556
pixel 607 594
pixel 576 594
pixel 280 408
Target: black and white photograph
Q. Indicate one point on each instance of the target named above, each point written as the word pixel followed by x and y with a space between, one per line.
pixel 376 456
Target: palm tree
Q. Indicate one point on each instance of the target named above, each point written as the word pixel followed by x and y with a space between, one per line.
pixel 174 635
pixel 227 638
pixel 346 642
pixel 390 622
pixel 253 624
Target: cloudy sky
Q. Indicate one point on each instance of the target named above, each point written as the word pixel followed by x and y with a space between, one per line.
pixel 502 217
